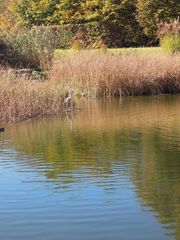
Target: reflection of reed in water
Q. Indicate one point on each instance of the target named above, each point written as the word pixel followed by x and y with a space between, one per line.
pixel 141 112
pixel 100 118
pixel 108 128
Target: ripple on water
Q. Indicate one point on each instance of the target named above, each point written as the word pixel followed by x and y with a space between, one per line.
pixel 112 173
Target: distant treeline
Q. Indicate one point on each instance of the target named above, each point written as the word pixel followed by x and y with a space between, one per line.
pixel 94 23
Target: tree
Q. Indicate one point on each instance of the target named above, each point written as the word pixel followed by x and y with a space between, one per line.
pixel 67 11
pixel 152 12
pixel 50 12
pixel 116 17
pixel 33 12
pixel 8 18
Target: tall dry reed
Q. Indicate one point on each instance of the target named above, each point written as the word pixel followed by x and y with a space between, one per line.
pixel 23 98
pixel 168 28
pixel 102 74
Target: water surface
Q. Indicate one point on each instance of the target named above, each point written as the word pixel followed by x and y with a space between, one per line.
pixel 112 171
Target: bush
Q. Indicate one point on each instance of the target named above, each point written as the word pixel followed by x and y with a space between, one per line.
pixel 169 34
pixel 171 44
pixel 30 48
pixel 60 33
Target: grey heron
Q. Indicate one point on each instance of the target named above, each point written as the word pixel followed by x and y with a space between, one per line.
pixel 68 99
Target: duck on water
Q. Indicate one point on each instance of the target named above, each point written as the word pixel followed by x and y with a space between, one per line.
pixel 2 129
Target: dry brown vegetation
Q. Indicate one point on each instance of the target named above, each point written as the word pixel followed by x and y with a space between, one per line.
pixel 171 28
pixel 99 74
pixel 88 74
pixel 169 35
pixel 23 98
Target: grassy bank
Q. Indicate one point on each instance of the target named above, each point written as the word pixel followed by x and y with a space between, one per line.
pixel 115 51
pixel 90 74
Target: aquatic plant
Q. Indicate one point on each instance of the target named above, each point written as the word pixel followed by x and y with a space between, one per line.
pixel 22 97
pixel 92 73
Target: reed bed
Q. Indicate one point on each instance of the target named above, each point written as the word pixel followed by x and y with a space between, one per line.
pixel 89 74
pixel 104 74
pixel 23 98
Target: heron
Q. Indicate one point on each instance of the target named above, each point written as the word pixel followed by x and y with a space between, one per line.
pixel 68 99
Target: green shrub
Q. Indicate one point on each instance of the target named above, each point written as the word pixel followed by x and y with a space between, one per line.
pixel 169 34
pixel 60 33
pixel 31 48
pixel 171 44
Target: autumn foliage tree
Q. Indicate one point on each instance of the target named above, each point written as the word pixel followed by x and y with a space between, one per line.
pixel 115 16
pixel 75 11
pixel 127 20
pixel 9 19
pixel 152 12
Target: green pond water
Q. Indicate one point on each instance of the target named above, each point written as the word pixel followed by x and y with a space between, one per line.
pixel 112 171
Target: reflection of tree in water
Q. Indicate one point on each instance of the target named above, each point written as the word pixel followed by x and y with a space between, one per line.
pixel 147 150
pixel 157 177
pixel 64 151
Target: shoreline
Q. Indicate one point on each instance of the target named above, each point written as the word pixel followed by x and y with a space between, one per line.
pixel 90 75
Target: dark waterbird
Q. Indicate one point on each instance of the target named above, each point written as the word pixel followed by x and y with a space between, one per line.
pixel 2 129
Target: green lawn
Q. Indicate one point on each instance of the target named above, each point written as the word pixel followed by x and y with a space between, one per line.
pixel 144 50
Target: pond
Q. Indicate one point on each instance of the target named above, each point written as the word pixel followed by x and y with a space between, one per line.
pixel 111 171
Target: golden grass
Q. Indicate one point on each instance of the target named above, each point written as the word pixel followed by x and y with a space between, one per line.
pixel 23 98
pixel 103 74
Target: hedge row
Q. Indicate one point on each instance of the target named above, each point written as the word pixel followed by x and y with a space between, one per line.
pixel 104 34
